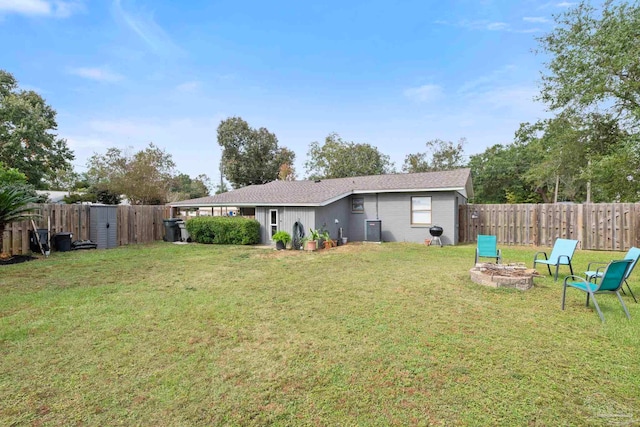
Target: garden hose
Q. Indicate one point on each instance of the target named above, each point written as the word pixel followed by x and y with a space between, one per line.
pixel 297 235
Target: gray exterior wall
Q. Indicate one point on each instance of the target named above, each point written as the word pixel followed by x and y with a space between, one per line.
pixel 326 217
pixel 394 210
pixel 356 220
pixel 287 216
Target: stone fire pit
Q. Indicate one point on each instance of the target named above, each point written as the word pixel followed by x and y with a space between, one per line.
pixel 515 275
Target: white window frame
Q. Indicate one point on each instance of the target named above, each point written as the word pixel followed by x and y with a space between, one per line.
pixel 422 210
pixel 273 231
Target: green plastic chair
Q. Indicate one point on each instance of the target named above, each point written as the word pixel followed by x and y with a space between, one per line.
pixel 561 254
pixel 488 248
pixel 610 282
pixel 633 255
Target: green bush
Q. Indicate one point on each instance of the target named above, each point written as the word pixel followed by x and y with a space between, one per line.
pixel 224 230
pixel 77 197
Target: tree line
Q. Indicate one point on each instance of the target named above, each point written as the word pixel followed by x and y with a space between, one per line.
pixel 588 150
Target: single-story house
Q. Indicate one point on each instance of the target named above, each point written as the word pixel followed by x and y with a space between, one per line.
pixel 406 205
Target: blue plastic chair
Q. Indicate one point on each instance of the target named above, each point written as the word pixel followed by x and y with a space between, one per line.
pixel 633 255
pixel 561 254
pixel 610 282
pixel 488 248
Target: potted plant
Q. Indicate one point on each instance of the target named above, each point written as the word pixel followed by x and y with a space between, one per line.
pixel 281 238
pixel 311 241
pixel 326 237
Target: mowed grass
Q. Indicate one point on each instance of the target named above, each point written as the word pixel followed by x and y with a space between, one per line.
pixel 391 334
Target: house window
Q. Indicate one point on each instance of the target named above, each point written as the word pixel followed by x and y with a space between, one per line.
pixel 421 210
pixel 273 221
pixel 357 205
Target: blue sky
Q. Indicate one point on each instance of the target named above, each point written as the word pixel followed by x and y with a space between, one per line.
pixel 123 73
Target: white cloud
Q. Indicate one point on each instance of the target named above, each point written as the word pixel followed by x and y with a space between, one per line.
pixel 485 25
pixel 529 30
pixel 145 26
pixel 497 26
pixel 55 8
pixel 480 25
pixel 425 93
pixel 97 73
pixel 495 76
pixel 83 142
pixel 189 86
pixel 508 98
pixel 535 19
pixel 26 7
pixel 562 4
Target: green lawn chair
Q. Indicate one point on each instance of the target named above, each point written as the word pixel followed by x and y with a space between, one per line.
pixel 488 248
pixel 561 254
pixel 610 282
pixel 633 255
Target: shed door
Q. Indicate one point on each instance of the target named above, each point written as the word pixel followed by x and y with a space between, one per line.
pixel 273 222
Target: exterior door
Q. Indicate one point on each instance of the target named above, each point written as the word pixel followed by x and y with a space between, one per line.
pixel 273 222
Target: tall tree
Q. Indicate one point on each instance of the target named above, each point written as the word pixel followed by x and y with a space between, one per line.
pixel 250 156
pixel 339 159
pixel 566 153
pixel 560 156
pixel 144 177
pixel 27 141
pixel 498 175
pixel 286 171
pixel 184 187
pixel 592 83
pixel 594 60
pixel 440 155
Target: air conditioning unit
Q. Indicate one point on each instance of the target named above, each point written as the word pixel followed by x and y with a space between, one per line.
pixel 373 230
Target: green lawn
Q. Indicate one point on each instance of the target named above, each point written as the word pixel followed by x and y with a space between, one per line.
pixel 391 334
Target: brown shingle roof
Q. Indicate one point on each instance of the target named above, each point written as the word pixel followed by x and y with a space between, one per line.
pixel 314 193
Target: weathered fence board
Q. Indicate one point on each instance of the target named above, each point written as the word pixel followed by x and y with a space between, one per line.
pixel 599 226
pixel 136 224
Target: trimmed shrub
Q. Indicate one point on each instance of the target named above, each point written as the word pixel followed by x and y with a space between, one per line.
pixel 224 230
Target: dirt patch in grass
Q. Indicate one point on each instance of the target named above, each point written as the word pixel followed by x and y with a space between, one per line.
pixel 346 249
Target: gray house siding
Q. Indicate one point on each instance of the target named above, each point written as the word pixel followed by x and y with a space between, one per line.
pixel 305 215
pixel 356 219
pixel 394 210
pixel 326 217
pixel 262 216
pixel 287 216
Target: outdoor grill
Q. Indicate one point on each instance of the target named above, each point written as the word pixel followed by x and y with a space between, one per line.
pixel 436 231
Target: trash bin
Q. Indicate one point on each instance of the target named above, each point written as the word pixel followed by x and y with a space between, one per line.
pixel 171 230
pixel 43 236
pixel 184 234
pixel 62 241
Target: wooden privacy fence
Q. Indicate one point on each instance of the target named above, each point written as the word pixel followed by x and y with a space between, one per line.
pixel 598 226
pixel 136 224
